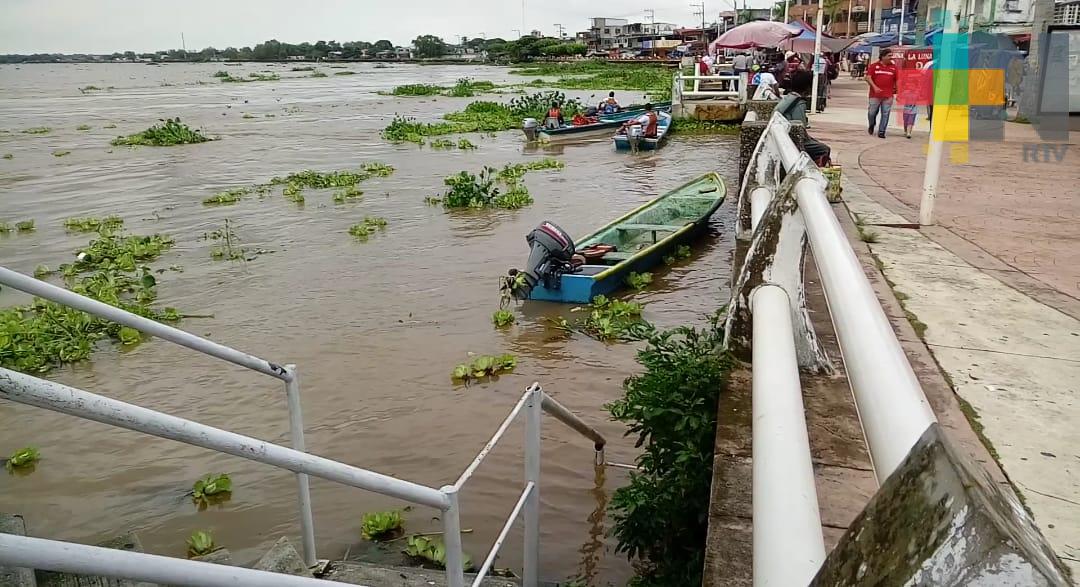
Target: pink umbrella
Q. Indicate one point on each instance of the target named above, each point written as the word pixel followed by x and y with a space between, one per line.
pixel 758 33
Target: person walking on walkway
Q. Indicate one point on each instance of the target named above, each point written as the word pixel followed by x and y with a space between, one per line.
pixel 741 64
pixel 881 76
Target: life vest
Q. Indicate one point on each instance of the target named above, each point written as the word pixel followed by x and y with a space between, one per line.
pixel 554 113
pixel 650 128
pixel 610 106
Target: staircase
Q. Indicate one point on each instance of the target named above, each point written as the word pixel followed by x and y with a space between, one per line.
pixel 281 558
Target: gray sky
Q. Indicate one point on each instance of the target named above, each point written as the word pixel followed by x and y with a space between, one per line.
pixel 104 26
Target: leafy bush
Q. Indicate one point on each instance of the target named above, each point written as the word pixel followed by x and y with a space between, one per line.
pixel 381 525
pixel 661 516
pixel 170 132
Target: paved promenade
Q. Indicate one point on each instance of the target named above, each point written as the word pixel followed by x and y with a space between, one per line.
pixel 996 284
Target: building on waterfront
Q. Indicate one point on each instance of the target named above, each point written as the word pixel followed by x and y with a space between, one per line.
pixel 1067 13
pixel 604 34
pixel 618 34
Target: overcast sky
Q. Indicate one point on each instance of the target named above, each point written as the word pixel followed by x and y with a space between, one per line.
pixel 105 26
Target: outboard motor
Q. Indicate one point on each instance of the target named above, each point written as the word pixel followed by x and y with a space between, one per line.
pixel 591 111
pixel 529 126
pixel 550 252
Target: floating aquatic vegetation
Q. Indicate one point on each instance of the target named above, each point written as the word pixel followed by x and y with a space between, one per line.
pixel 467 88
pixel 37 130
pixel 227 197
pixel 368 227
pixel 91 224
pixel 513 172
pixel 110 125
pixel 24 457
pixel 230 249
pixel 318 74
pixel 348 193
pixel 211 488
pixel 378 526
pixel 8 156
pixel 465 144
pixel 703 127
pixel 442 144
pixel 344 73
pixel 653 80
pixel 222 74
pixel 170 132
pixel 609 320
pixel 301 68
pixel 417 90
pixel 86 89
pixel 200 543
pixel 502 318
pixel 432 551
pixel 536 105
pixel 83 127
pixel 483 366
pixel 639 280
pixel 248 115
pixel 25 225
pixel 42 271
pixel 60 153
pixel 5 228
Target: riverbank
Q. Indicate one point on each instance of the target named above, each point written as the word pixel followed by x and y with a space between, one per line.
pixel 993 289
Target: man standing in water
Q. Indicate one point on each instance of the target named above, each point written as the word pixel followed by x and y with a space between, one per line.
pixel 882 77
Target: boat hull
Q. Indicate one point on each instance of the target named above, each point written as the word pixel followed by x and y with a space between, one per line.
pixel 594 280
pixel 607 122
pixel 622 142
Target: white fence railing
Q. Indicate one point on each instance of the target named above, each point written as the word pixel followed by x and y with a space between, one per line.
pixel 735 84
pixel 890 402
pixel 25 389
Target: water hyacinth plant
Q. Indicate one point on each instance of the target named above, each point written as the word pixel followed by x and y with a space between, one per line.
pixel 318 74
pixel 483 366
pixel 609 320
pixel 200 543
pixel 60 153
pixel 432 551
pixel 639 280
pixel 83 127
pixel 368 227
pixel 24 457
pixel 25 225
pixel 467 88
pixel 37 130
pixel 502 318
pixel 378 526
pixel 170 132
pixel 211 488
pixel 417 90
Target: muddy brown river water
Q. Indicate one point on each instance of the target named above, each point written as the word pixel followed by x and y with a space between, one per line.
pixel 375 328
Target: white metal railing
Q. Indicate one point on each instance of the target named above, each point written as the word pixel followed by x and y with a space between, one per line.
pixel 29 390
pixel 890 402
pixel 679 90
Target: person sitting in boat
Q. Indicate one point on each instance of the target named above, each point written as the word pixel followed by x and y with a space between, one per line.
pixel 610 105
pixel 554 116
pixel 646 123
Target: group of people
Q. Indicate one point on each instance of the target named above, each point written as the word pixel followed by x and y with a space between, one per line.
pixel 647 123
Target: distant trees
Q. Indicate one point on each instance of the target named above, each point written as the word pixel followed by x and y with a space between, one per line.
pixel 382 45
pixel 428 46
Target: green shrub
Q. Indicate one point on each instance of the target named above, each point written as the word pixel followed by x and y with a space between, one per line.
pixel 661 516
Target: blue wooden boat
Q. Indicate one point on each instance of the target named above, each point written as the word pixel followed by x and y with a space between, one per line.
pixel 641 239
pixel 625 143
pixel 606 123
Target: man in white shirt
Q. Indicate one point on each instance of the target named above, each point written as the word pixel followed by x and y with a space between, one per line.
pixel 767 86
pixel 741 65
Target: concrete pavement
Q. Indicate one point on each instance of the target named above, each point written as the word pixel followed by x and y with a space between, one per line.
pixel 996 284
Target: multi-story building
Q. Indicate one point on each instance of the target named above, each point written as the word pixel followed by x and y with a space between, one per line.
pixel 1067 13
pixel 604 34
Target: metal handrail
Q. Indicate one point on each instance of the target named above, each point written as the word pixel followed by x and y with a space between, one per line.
pixel 29 390
pixel 286 373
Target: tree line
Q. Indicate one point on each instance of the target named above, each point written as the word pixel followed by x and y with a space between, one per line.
pixel 424 47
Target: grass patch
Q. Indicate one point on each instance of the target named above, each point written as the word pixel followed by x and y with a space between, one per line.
pixel 37 130
pixel 170 132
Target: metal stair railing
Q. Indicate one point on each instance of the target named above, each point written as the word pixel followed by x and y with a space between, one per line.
pixel 29 390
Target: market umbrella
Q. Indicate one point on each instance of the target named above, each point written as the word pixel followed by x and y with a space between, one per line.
pixel 804 43
pixel 758 33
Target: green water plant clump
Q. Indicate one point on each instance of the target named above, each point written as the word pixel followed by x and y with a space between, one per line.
pixel 87 89
pixel 639 280
pixel 318 74
pixel 368 227
pixel 303 68
pixel 8 156
pixel 22 458
pixel 481 190
pixel 502 318
pixel 465 144
pixel 484 366
pixel 42 335
pixel 25 225
pixel 692 126
pixel 170 132
pixel 92 224
pixel 211 488
pixel 536 105
pixel 227 197
pixel 60 153
pixel 432 551
pixel 468 87
pixel 681 252
pixel 379 526
pixel 609 320
pixel 513 172
pixel 671 408
pixel 347 193
pixel 442 144
pixel 652 80
pixel 344 73
pixel 37 130
pixel 83 127
pixel 417 90
pixel 200 543
pixel 222 74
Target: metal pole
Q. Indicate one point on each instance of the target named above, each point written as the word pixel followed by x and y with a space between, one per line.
pixel 455 565
pixel 25 389
pixel 296 434
pixel 60 295
pixel 67 557
pixel 934 154
pixel 787 3
pixel 564 415
pixel 787 523
pixel 849 7
pixel 817 60
pixel 494 552
pixel 531 571
pixel 900 31
pixel 892 407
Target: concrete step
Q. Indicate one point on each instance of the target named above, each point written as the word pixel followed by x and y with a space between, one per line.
pixel 358 573
pixel 12 576
pixel 129 541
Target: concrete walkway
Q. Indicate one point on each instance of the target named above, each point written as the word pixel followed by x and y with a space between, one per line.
pixel 996 284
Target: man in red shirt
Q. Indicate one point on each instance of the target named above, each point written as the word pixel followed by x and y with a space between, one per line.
pixel 882 77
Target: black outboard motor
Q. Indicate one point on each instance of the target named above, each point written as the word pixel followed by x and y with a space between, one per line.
pixel 549 257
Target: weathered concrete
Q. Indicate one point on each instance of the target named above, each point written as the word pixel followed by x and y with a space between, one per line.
pixel 283 558
pixel 763 108
pixel 15 576
pixel 358 573
pixel 221 556
pixel 129 541
pixel 941 520
pixel 714 110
